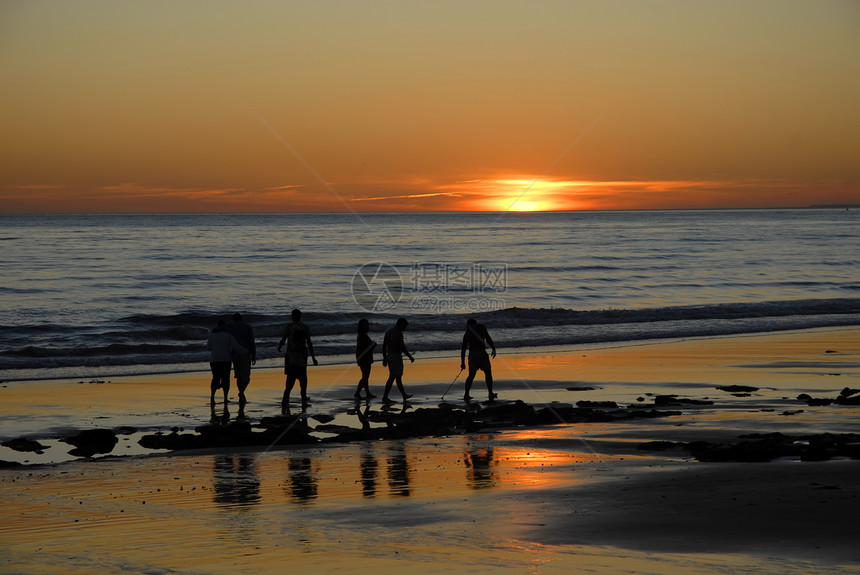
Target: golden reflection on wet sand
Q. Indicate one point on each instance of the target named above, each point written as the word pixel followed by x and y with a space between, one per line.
pixel 364 502
pixel 426 505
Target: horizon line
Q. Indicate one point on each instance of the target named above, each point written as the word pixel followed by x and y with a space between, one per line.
pixel 322 212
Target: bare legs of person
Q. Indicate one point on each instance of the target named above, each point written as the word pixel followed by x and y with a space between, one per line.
pixel 469 379
pixel 364 382
pixel 488 375
pixel 242 373
pixel 220 379
pixel 215 387
pixel 391 379
pixel 303 386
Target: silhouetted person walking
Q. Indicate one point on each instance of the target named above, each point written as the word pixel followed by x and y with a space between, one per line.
pixel 364 347
pixel 221 346
pixel 393 350
pixel 476 339
pixel 242 362
pixel 297 335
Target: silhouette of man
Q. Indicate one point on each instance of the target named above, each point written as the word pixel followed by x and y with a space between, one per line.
pixel 297 335
pixel 476 339
pixel 393 350
pixel 242 362
pixel 221 345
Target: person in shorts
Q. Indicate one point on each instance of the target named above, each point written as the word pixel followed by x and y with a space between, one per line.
pixel 221 345
pixel 242 362
pixel 393 350
pixel 476 339
pixel 297 336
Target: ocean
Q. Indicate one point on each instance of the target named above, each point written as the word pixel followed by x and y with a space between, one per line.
pixel 90 296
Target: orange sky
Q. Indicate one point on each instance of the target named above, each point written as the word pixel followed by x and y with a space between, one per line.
pixel 409 106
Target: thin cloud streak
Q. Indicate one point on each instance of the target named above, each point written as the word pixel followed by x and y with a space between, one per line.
pixel 408 196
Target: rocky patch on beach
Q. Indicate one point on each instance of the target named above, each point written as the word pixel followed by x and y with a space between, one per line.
pixel 453 419
pixel 294 429
pixel 446 419
pixel 24 445
pixel 738 390
pixel 280 430
pixel 90 442
pixel 671 400
pixel 847 396
pixel 767 447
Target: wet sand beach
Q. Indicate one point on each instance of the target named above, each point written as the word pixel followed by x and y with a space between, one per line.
pixel 565 497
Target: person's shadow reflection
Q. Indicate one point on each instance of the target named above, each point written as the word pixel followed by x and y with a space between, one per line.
pixel 219 418
pixel 368 472
pixel 363 414
pixel 302 484
pixel 398 470
pixel 479 461
pixel 236 482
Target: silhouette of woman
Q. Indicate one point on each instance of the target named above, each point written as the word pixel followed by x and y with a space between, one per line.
pixel 364 357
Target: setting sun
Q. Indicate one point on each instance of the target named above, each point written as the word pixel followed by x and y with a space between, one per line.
pixel 517 205
pixel 520 194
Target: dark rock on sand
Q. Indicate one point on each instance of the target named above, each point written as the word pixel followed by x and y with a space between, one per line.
pixel 847 396
pixel 737 388
pixel 674 400
pixel 651 414
pixel 446 419
pixel 24 444
pixel 172 441
pixel 598 404
pixel 426 422
pixel 569 414
pixel 282 430
pixel 658 445
pixel 443 420
pixel 813 401
pixel 759 450
pixel 767 447
pixel 92 441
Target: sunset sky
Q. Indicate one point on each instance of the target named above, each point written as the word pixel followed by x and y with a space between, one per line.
pixel 264 106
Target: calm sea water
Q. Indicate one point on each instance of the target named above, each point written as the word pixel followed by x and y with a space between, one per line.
pixel 95 295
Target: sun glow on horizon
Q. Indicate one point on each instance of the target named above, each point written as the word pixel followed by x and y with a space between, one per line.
pixel 517 205
pixel 521 195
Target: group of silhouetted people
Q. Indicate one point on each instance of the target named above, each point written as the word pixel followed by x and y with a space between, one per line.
pixel 233 344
